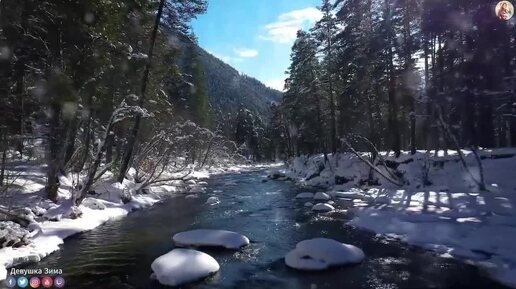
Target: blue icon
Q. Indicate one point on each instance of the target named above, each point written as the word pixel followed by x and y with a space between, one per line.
pixel 10 282
pixel 23 282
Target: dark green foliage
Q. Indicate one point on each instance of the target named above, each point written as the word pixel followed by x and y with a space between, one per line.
pixel 398 67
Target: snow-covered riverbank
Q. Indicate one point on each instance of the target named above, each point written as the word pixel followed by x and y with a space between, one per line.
pixel 439 208
pixel 52 223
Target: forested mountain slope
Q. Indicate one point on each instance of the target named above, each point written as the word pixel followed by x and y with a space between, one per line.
pixel 228 90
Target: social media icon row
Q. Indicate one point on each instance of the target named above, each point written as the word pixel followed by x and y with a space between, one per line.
pixel 35 282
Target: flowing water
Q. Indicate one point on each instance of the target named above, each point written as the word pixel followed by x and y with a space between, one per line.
pixel 119 253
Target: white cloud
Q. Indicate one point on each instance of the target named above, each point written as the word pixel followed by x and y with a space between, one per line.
pixel 278 84
pixel 284 29
pixel 245 52
pixel 227 59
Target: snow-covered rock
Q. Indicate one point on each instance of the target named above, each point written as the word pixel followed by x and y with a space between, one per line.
pixel 309 205
pixel 177 183
pixel 323 208
pixel 120 193
pixel 195 189
pixel 93 204
pixel 190 182
pixel 383 200
pixel 347 195
pixel 38 211
pixel 182 266
pixel 321 196
pixel 163 189
pixel 64 210
pixel 211 238
pixel 192 197
pixel 12 235
pixel 305 196
pixel 321 254
pixel 131 174
pixel 212 201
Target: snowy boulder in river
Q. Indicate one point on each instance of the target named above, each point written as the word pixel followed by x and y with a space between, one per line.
pixel 309 205
pixel 211 238
pixel 305 196
pixel 190 182
pixel 212 201
pixel 182 266
pixel 323 208
pixel 322 197
pixel 321 254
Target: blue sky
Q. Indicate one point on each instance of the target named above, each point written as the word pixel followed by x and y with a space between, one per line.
pixel 255 36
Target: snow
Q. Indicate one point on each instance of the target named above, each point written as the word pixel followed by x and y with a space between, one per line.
pixel 106 205
pixel 321 207
pixel 181 266
pixel 52 234
pixel 309 205
pixel 321 254
pixel 449 216
pixel 305 196
pixel 321 196
pixel 210 238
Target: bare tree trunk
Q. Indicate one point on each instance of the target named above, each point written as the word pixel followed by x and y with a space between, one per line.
pixel 109 148
pixel 372 166
pixel 86 134
pixel 394 130
pixel 3 146
pixel 333 121
pixel 69 145
pixel 428 108
pixel 134 132
pixel 96 163
pixel 413 145
pixel 53 162
pixel 207 152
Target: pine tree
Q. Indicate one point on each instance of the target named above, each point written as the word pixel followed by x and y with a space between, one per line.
pixel 302 100
pixel 324 32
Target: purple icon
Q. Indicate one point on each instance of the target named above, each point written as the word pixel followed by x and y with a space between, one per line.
pixel 59 282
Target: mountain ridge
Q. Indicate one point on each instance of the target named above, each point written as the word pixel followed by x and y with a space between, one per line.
pixel 229 90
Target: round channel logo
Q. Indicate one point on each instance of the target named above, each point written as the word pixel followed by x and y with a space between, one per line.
pixel 504 10
pixel 59 282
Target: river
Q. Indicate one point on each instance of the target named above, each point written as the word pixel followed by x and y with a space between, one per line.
pixel 119 253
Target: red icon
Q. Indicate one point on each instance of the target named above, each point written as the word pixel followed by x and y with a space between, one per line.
pixel 34 282
pixel 46 282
